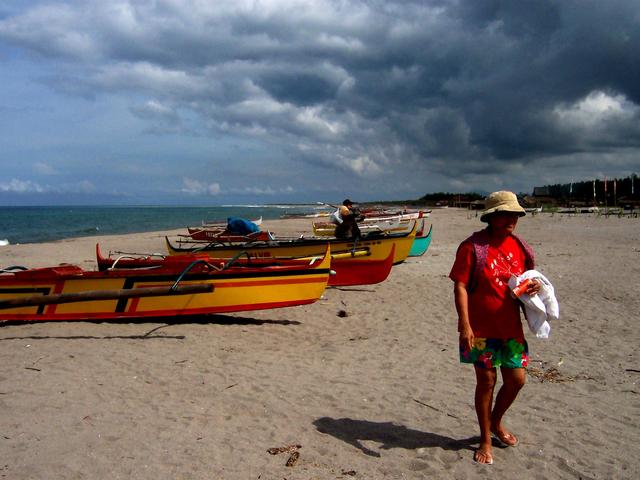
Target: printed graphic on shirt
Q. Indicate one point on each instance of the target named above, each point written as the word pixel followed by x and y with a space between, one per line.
pixel 503 266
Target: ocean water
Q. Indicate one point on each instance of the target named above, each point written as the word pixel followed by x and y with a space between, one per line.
pixel 44 224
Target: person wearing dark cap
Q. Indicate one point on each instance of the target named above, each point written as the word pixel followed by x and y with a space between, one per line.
pixel 347 226
pixel 489 324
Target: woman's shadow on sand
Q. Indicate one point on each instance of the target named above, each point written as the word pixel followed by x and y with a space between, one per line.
pixel 390 435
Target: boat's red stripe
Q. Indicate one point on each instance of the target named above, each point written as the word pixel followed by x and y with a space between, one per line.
pixel 133 303
pixel 57 288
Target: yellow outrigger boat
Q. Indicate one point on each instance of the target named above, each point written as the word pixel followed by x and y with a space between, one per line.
pixel 374 246
pixel 181 285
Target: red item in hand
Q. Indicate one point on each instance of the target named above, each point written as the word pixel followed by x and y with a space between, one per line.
pixel 522 287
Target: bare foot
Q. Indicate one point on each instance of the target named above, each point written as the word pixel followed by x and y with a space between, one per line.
pixel 504 438
pixel 483 455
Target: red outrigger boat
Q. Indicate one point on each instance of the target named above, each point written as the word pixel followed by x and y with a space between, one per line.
pixel 351 268
pixel 181 285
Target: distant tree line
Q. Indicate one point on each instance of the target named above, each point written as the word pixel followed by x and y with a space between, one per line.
pixel 432 199
pixel 450 197
pixel 437 198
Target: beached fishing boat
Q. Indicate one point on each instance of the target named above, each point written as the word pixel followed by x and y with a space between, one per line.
pixel 376 221
pixel 351 268
pixel 394 225
pixel 372 243
pixel 183 285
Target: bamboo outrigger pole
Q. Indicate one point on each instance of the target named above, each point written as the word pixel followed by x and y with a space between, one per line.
pixel 94 295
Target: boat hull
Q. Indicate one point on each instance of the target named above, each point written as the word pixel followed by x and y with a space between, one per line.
pixel 421 244
pixel 360 270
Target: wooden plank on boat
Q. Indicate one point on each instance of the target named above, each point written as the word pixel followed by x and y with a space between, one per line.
pixel 94 295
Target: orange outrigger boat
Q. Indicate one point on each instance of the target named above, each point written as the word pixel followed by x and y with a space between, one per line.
pixel 181 285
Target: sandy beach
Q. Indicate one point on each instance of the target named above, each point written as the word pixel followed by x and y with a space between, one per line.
pixel 376 394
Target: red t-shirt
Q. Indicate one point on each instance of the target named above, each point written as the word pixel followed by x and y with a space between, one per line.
pixel 493 312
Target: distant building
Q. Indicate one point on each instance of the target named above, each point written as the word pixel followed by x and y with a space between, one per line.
pixel 541 196
pixel 477 205
pixel 541 192
pixel 467 201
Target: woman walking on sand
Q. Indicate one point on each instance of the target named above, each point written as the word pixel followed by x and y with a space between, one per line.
pixel 489 324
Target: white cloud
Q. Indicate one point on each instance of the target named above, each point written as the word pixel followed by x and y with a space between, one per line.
pixel 196 187
pixel 29 186
pixel 44 169
pixel 213 189
pixel 21 186
pixel 154 108
pixel 55 29
pixel 312 118
pixel 596 108
pixel 83 186
pixel 364 165
pixel 149 77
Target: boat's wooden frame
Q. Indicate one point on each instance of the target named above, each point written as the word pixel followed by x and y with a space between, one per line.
pixel 222 235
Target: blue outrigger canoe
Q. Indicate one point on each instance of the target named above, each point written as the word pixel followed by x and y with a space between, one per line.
pixel 421 244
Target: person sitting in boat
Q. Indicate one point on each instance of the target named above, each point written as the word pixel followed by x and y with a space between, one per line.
pixel 346 221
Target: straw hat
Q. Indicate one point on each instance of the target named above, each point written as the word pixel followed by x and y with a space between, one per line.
pixel 501 202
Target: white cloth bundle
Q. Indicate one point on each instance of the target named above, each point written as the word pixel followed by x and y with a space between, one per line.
pixel 336 217
pixel 540 308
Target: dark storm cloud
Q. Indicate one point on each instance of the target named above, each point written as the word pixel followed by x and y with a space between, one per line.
pixel 301 89
pixel 451 87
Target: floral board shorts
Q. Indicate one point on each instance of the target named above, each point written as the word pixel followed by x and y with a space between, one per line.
pixel 496 352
